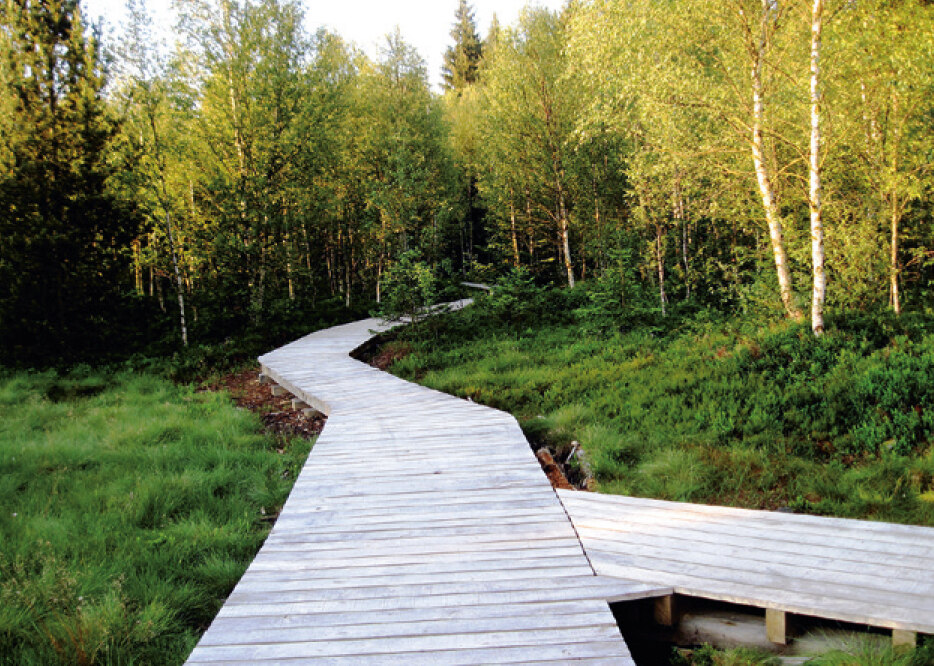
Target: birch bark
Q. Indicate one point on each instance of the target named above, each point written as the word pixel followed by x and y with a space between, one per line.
pixel 763 175
pixel 815 192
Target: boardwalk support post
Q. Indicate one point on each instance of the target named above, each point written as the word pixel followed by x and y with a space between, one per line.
pixel 776 626
pixel 264 379
pixel 667 611
pixel 299 404
pixel 278 391
pixel 907 638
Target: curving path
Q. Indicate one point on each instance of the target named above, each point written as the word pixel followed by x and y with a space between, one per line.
pixel 420 531
pixel 423 531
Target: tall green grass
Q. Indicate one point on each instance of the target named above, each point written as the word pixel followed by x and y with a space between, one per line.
pixel 712 410
pixel 129 508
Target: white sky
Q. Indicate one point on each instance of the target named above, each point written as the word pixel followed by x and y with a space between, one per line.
pixel 425 24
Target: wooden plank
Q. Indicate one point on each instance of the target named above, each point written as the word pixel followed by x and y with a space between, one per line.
pixel 793 602
pixel 665 610
pixel 408 644
pixel 848 570
pixel 795 523
pixel 747 562
pixel 550 653
pixel 254 633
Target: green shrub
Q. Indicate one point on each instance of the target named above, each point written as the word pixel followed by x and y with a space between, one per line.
pixel 709 409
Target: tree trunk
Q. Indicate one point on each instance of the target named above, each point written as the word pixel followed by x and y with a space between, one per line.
pixel 764 179
pixel 379 278
pixel 138 266
pixel 565 237
pixel 677 212
pixel 183 327
pixel 515 235
pixel 660 259
pixel 894 268
pixel 288 266
pixel 528 220
pixel 815 192
pixel 348 265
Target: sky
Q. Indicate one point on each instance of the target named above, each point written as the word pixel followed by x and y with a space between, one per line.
pixel 425 24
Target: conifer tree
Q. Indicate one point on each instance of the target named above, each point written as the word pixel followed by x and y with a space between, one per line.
pixel 462 61
pixel 62 238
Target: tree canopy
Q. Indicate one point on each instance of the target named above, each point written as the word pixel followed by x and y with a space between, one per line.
pixel 688 154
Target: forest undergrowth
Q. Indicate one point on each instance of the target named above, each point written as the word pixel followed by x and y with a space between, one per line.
pixel 704 407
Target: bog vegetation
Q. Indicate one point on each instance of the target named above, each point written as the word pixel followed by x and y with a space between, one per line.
pixel 704 407
pixel 130 508
pixel 711 221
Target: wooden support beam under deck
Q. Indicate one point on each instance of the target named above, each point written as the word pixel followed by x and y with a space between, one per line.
pixel 776 626
pixel 906 638
pixel 667 611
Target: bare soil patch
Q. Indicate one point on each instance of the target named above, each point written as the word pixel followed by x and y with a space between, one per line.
pixel 276 412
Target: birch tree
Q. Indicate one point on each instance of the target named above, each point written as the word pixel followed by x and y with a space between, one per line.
pixel 529 116
pixel 713 66
pixel 886 84
pixel 145 74
pixel 815 192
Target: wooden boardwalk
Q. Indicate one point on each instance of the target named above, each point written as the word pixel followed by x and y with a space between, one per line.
pixel 420 531
pixel 423 531
pixel 850 570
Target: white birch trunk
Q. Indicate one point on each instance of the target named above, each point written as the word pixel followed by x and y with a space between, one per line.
pixel 566 241
pixel 815 192
pixel 764 179
pixel 178 280
pixel 515 234
pixel 894 269
pixel 660 259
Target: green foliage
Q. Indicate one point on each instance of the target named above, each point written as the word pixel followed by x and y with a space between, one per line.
pixel 410 289
pixel 462 60
pixel 706 655
pixel 64 238
pixel 876 653
pixel 711 410
pixel 515 301
pixel 131 507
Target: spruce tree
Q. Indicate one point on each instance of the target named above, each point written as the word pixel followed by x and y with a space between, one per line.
pixel 62 237
pixel 462 61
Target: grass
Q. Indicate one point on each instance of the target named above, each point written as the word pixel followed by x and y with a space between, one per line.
pixel 711 410
pixel 130 508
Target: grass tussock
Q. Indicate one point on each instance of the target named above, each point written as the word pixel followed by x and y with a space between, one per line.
pixel 129 508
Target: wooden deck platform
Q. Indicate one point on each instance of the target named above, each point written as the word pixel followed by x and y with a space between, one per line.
pixel 870 573
pixel 420 531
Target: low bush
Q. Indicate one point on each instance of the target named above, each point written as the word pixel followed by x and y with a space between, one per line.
pixel 710 409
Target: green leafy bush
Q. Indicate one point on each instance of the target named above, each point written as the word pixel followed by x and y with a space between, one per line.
pixel 710 409
pixel 409 288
